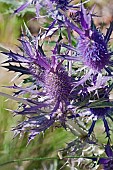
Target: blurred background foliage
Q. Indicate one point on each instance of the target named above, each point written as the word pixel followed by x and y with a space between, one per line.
pixel 44 145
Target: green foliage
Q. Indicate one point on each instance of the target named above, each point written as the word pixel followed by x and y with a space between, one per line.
pixel 9 29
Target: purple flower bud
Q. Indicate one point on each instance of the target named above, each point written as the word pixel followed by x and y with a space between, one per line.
pixel 93 50
pixel 58 85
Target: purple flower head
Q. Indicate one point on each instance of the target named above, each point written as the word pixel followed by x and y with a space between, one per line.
pixel 49 91
pixel 92 48
pixel 58 84
pixel 92 45
pixel 93 51
pixel 107 162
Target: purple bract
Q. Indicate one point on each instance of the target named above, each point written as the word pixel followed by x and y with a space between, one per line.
pixel 49 103
pixel 92 45
pixel 95 112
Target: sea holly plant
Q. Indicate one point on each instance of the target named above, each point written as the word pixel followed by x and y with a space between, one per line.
pixel 96 108
pixel 51 86
pixel 92 46
pixel 68 87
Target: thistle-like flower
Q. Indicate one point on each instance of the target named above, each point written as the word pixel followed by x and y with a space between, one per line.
pixel 49 91
pixel 92 46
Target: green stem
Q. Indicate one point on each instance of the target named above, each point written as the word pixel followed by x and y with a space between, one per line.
pixel 44 158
